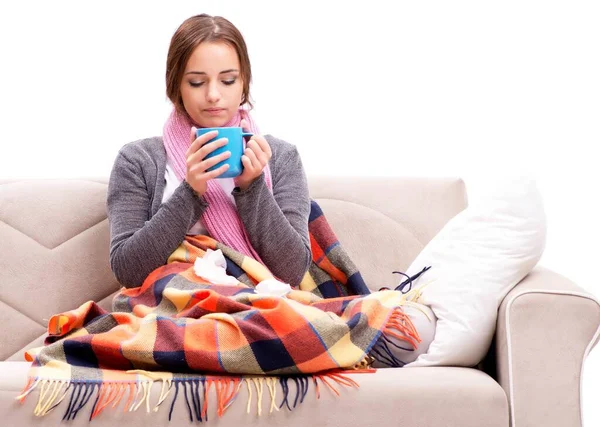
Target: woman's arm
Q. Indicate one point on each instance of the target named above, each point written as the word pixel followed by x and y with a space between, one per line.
pixel 140 244
pixel 277 223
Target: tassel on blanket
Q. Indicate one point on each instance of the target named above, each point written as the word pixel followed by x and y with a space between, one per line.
pixel 400 327
pixel 195 391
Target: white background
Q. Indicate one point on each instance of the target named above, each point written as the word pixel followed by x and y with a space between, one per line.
pixel 474 89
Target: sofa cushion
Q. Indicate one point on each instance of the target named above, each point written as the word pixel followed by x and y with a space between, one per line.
pixel 449 397
pixel 476 259
pixel 53 255
pixel 384 222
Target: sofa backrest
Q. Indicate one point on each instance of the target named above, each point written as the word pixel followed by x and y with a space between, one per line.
pixel 54 240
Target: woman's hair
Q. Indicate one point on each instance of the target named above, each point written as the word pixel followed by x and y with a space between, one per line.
pixel 192 32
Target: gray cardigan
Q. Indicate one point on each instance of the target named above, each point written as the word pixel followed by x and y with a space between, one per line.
pixel 144 231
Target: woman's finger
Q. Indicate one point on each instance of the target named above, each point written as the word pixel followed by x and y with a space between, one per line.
pixel 263 144
pixel 210 162
pixel 217 172
pixel 252 158
pixel 248 169
pixel 205 150
pixel 262 157
pixel 200 141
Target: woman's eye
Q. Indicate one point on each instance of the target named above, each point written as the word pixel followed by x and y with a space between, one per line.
pixel 226 82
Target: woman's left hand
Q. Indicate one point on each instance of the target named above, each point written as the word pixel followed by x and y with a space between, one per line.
pixel 255 158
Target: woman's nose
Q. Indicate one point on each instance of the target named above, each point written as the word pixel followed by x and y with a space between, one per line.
pixel 213 94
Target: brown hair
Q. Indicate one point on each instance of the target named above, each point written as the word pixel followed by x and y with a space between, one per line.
pixel 189 35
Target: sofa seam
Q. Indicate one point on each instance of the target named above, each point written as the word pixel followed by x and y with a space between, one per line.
pixel 509 344
pixel 21 313
pixel 60 244
pixel 44 327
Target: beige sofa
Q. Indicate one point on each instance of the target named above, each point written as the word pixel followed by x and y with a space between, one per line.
pixel 54 243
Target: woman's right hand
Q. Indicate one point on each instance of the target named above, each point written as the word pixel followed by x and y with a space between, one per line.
pixel 196 174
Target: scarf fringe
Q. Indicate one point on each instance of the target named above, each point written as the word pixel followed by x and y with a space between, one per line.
pixel 196 392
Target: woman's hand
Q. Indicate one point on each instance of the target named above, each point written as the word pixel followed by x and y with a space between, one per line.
pixel 255 158
pixel 196 174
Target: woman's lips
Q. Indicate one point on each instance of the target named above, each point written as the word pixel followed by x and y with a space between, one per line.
pixel 214 111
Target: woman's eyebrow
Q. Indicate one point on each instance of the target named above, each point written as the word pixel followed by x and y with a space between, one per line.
pixel 231 70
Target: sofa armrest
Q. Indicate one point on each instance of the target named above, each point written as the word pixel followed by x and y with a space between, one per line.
pixel 546 327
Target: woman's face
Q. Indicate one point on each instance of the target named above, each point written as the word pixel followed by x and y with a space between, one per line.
pixel 212 86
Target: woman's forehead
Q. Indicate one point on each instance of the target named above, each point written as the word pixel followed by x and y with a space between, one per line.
pixel 213 58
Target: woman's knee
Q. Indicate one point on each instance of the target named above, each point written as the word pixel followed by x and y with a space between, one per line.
pixel 391 351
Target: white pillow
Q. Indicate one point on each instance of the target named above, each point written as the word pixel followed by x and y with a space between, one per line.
pixel 476 259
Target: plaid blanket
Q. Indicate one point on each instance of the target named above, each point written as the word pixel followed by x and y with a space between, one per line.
pixel 184 331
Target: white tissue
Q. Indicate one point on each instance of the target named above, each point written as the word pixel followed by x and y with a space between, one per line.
pixel 212 267
pixel 273 287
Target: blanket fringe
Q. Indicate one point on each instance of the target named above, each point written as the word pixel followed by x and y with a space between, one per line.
pixel 196 392
pixel 401 327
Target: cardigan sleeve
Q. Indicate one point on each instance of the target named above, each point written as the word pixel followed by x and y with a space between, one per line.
pixel 140 243
pixel 277 222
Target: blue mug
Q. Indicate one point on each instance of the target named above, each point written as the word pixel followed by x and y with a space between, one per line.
pixel 235 144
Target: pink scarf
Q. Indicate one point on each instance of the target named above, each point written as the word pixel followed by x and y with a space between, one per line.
pixel 221 218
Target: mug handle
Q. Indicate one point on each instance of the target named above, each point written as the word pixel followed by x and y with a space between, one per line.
pixel 245 137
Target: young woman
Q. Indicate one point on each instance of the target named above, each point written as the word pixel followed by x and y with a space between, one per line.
pixel 160 189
